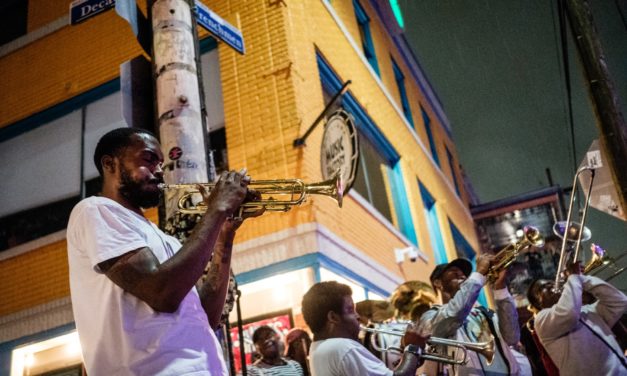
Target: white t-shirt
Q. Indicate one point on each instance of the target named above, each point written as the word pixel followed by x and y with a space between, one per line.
pixel 344 357
pixel 119 333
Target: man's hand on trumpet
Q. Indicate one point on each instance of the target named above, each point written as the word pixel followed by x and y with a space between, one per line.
pixel 484 261
pixel 412 336
pixel 229 192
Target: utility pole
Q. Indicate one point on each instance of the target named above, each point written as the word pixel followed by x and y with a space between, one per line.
pixel 610 120
pixel 180 113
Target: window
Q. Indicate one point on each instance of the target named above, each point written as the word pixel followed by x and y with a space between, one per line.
pixel 363 22
pixel 451 164
pixel 463 249
pixel 13 18
pixel 379 161
pixel 370 178
pixel 435 233
pixel 427 120
pixel 400 83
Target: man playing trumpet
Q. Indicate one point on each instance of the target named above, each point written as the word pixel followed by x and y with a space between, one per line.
pixel 459 318
pixel 136 302
pixel 578 336
pixel 329 312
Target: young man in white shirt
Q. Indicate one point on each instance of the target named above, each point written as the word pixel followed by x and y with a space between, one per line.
pixel 329 312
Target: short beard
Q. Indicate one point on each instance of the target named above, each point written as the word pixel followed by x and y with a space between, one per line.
pixel 133 191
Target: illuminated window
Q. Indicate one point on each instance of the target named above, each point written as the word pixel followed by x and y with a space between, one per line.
pixel 359 293
pixel 56 356
pixel 274 293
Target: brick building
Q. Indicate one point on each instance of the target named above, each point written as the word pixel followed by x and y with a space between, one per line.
pixel 61 92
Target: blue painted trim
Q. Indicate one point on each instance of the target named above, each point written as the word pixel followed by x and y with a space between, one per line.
pixel 32 122
pixel 399 198
pixel 331 83
pixel 41 336
pixel 286 266
pixel 315 260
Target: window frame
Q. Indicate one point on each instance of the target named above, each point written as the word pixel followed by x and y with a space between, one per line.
pixel 363 23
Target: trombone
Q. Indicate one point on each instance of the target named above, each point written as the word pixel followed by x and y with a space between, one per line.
pixel 275 195
pixel 569 230
pixel 484 348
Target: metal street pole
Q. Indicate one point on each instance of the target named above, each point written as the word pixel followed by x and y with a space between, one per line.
pixel 180 112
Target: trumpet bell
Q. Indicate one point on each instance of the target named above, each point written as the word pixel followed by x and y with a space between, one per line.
pixel 599 258
pixel 505 257
pixel 572 234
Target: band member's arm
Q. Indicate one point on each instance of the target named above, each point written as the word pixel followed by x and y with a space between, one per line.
pixel 164 285
pixel 412 355
pixel 506 311
pixel 213 288
pixel 445 320
pixel 611 302
pixel 560 319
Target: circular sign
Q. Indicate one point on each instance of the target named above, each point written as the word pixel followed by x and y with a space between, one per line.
pixel 340 148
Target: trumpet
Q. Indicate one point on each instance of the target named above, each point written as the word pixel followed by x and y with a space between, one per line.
pixel 431 353
pixel 275 195
pixel 505 257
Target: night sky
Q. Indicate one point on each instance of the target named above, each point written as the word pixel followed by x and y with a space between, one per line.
pixel 496 66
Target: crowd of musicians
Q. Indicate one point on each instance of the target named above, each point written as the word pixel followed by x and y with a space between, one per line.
pixel 145 304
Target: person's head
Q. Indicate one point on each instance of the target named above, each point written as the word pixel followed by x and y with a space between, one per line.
pixel 541 295
pixel 329 310
pixel 297 342
pixel 447 278
pixel 267 342
pixel 129 161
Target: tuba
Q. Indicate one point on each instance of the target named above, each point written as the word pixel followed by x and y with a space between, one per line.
pixel 504 258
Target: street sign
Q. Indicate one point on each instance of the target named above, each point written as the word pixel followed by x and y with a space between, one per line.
pixel 219 27
pixel 80 10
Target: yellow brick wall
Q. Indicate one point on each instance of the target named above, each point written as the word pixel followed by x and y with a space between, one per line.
pixel 34 278
pixel 63 65
pixel 271 94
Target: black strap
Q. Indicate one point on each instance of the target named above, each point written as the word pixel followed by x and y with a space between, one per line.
pixel 621 357
pixel 488 315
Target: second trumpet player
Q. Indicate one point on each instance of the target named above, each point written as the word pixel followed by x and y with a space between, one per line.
pixel 461 319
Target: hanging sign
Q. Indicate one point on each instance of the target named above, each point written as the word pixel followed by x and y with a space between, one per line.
pixel 340 148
